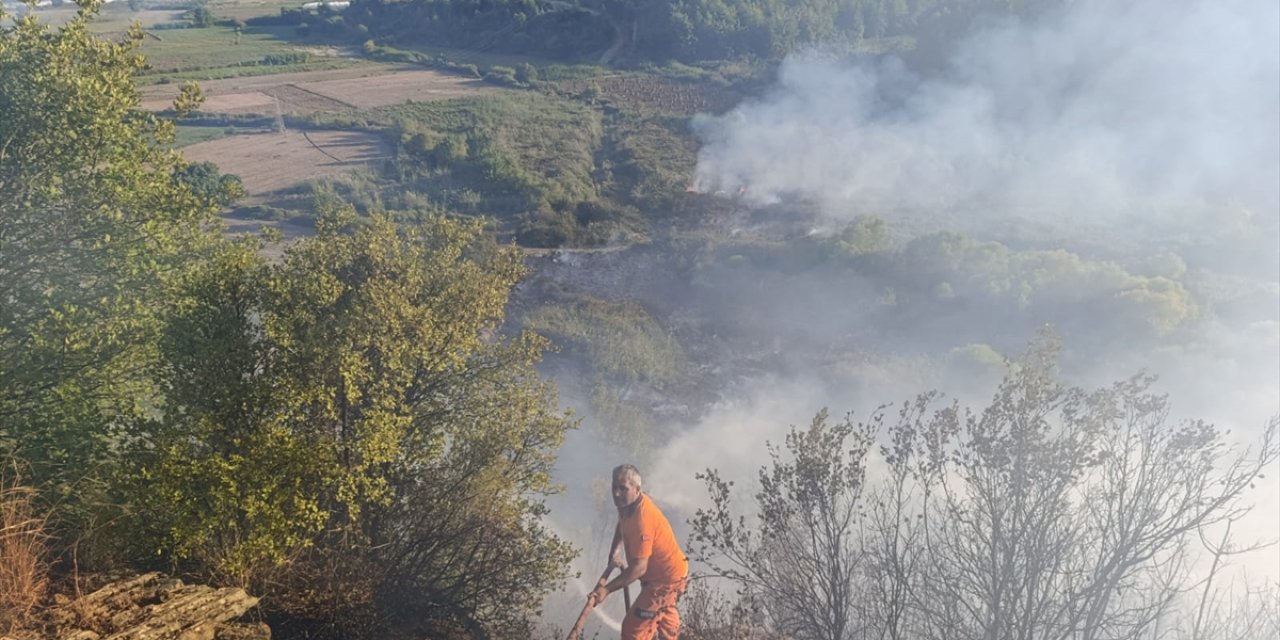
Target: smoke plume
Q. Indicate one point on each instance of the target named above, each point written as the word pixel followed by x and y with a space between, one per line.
pixel 1098 111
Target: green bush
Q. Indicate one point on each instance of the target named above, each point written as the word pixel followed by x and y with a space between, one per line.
pixel 210 184
pixel 265 212
pixel 450 151
pixel 621 339
pixel 526 73
pixel 201 17
pixel 548 227
pixel 502 75
pixel 295 57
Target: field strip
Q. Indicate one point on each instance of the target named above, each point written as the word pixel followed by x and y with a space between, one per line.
pixel 361 87
pixel 295 99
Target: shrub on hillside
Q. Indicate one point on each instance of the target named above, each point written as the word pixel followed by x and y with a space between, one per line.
pixel 210 184
pixel 294 57
pixel 339 424
pixel 505 76
pixel 201 17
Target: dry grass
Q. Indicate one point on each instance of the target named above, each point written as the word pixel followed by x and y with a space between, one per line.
pixel 23 543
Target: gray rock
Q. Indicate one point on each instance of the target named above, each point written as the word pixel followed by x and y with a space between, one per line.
pixel 154 607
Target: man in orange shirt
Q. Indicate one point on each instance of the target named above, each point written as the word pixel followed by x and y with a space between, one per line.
pixel 653 557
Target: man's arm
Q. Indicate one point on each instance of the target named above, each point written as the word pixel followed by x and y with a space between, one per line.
pixel 633 572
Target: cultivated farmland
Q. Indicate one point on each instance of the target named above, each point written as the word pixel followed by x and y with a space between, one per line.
pixel 270 162
pixel 312 91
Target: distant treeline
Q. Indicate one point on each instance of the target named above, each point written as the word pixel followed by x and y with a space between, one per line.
pixel 664 30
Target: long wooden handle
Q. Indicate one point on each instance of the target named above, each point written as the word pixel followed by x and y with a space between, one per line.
pixel 576 632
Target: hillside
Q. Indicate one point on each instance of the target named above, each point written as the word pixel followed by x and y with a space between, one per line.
pixel 352 310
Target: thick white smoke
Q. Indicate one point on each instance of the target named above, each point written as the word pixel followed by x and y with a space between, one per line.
pixel 1157 121
pixel 1143 108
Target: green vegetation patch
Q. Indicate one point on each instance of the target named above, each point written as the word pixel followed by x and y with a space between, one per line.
pixel 662 31
pixel 652 93
pixel 189 135
pixel 550 140
pixel 631 361
pixel 620 338
pixel 525 157
pixel 241 71
pixel 215 47
pixel 652 160
pixel 554 170
pixel 947 274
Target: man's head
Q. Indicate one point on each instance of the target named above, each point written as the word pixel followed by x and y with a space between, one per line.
pixel 626 485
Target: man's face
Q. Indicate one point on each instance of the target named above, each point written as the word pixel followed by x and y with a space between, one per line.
pixel 625 492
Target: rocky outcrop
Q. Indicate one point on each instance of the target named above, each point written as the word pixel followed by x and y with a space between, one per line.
pixel 154 607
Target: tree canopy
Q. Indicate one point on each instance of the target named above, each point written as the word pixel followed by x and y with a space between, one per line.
pixel 93 230
pixel 684 30
pixel 356 421
pixel 345 431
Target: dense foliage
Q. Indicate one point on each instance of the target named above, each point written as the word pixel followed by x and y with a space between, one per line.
pixel 537 163
pixel 963 279
pixel 345 418
pixel 94 229
pixel 685 30
pixel 344 431
pixel 215 187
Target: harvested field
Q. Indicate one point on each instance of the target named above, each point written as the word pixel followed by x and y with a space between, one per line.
pixel 417 84
pixel 255 102
pixel 294 98
pixel 270 162
pixel 311 91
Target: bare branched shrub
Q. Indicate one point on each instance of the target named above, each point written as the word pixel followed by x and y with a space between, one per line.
pixel 1236 610
pixel 23 573
pixel 1239 614
pixel 708 614
pixel 1053 513
pixel 803 559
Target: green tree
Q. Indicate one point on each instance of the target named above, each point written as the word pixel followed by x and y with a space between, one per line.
pixel 526 73
pixel 93 230
pixel 214 187
pixel 201 17
pixel 347 424
pixel 189 99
